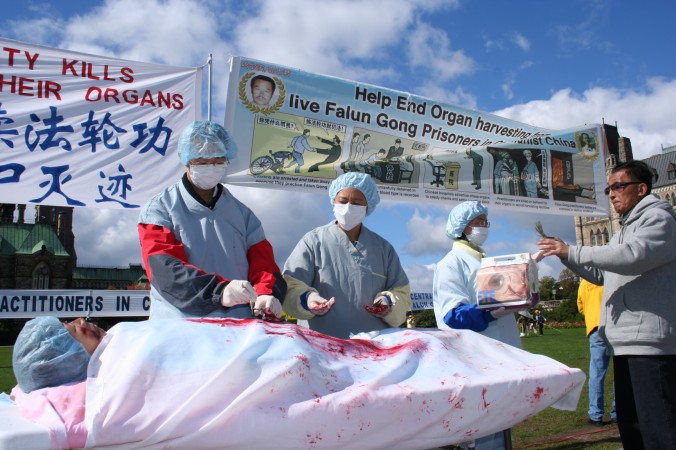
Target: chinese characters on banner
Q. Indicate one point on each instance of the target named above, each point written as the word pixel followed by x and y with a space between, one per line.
pixel 298 131
pixel 86 130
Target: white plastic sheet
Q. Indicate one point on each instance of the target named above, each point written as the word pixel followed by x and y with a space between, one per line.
pixel 250 384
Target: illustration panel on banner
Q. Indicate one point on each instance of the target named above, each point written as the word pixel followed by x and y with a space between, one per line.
pixel 520 172
pixel 285 143
pixel 388 159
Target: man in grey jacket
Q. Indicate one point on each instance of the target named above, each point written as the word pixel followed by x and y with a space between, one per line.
pixel 638 315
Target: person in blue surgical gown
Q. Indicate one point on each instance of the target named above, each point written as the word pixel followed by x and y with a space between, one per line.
pixel 205 252
pixel 454 290
pixel 342 277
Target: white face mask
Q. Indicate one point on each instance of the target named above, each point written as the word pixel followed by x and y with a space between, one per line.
pixel 478 235
pixel 349 215
pixel 206 176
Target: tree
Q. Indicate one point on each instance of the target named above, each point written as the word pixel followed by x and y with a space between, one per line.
pixel 425 319
pixel 547 284
pixel 568 284
pixel 565 312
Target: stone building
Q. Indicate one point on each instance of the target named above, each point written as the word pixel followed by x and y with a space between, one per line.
pixel 599 230
pixel 41 255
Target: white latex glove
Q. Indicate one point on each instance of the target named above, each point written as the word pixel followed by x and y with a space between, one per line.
pixel 237 292
pixel 267 307
pixel 381 307
pixel 318 305
pixel 501 312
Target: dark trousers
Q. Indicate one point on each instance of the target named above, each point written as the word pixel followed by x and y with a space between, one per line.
pixel 645 394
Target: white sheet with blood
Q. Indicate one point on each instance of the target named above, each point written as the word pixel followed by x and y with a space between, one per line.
pixel 228 383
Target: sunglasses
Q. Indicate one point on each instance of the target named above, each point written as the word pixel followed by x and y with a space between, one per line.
pixel 619 187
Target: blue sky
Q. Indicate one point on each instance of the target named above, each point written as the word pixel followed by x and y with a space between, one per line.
pixel 550 64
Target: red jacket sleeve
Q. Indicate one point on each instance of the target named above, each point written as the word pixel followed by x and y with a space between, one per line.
pixel 264 273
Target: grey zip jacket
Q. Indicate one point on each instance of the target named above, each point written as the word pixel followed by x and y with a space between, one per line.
pixel 638 272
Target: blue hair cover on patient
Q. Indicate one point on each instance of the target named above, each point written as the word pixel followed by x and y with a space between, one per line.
pixel 46 355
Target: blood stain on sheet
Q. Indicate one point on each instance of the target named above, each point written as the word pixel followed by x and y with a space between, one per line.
pixel 313 439
pixel 538 392
pixel 352 348
pixel 537 395
pixel 425 406
pixel 483 397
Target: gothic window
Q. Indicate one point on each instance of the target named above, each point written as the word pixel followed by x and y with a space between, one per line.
pixel 41 276
pixel 592 238
pixel 606 236
pixel 599 238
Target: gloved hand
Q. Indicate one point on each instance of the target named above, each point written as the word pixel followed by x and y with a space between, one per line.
pixel 381 306
pixel 237 292
pixel 318 305
pixel 267 307
pixel 501 312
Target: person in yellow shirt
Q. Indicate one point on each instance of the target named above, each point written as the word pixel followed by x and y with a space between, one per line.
pixel 589 303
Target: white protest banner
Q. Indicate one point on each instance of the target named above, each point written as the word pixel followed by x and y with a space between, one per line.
pixel 27 303
pixel 86 130
pixel 298 131
pixel 19 303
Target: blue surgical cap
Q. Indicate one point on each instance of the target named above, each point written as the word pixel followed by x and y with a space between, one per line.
pixel 46 355
pixel 359 181
pixel 461 215
pixel 205 140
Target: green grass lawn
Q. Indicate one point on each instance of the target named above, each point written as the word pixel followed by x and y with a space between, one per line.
pixel 7 380
pixel 569 346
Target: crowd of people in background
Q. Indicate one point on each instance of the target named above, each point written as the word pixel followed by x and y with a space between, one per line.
pixel 206 255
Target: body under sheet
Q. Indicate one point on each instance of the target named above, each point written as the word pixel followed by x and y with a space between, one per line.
pixel 229 383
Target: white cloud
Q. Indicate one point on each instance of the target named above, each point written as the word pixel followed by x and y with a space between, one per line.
pixel 526 64
pixel 430 48
pixel 421 277
pixel 457 96
pixel 507 89
pixel 644 115
pixel 491 44
pixel 320 36
pixel 521 41
pixel 427 234
pixel 174 32
pixel 106 237
pixel 42 29
pixel 346 38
